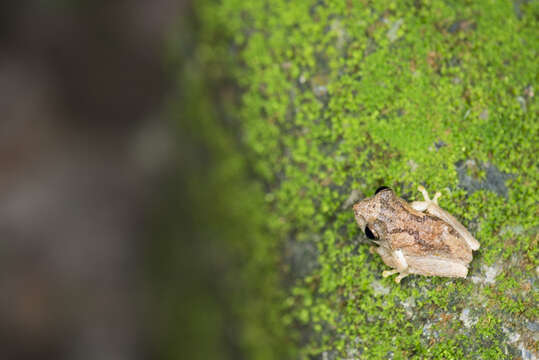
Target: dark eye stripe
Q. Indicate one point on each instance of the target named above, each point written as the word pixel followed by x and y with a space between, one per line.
pixel 369 233
pixel 380 189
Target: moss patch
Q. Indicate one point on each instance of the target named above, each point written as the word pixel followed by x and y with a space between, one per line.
pixel 350 95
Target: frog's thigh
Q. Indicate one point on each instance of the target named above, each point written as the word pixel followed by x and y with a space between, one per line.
pixel 436 266
pixel 448 218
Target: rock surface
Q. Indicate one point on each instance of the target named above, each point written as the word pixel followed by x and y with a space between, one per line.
pixel 400 95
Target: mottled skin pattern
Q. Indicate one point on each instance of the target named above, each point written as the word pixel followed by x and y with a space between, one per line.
pixel 417 238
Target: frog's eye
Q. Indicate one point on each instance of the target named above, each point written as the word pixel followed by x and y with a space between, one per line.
pixel 380 189
pixel 370 234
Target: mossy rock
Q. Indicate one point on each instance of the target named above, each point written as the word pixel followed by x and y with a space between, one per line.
pixel 337 98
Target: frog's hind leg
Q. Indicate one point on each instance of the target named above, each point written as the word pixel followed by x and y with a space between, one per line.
pixel 423 205
pixel 399 277
pixel 431 207
pixel 437 266
pixel 387 273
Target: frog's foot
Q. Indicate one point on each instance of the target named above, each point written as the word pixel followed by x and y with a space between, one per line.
pixel 399 277
pixel 387 273
pixel 423 205
pixel 426 195
pixel 400 264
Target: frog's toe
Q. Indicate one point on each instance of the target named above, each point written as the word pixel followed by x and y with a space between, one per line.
pixel 387 273
pixel 400 277
pixel 436 197
pixel 426 197
pixel 423 191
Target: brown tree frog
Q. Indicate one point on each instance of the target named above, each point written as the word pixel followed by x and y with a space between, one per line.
pixel 415 238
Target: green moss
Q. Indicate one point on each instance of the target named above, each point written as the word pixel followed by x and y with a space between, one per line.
pixel 338 96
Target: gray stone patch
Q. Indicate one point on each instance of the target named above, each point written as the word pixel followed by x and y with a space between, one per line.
pixel 429 332
pixel 491 272
pixel 512 337
pixel 440 144
pixel 494 179
pixel 379 289
pixel 329 355
pixel 488 274
pixel 320 90
pixel 515 229
pixel 526 354
pixel 302 257
pixel 533 326
pixel 408 306
pixel 522 102
pixel 392 33
pixel 342 35
pixel 467 319
pixel 484 115
pixel 413 165
pixel 529 92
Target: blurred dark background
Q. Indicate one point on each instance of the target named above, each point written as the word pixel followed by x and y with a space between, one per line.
pixel 85 145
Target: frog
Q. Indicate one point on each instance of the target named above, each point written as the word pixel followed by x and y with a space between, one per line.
pixel 415 238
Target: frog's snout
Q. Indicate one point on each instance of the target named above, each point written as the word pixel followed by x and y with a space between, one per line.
pixel 358 211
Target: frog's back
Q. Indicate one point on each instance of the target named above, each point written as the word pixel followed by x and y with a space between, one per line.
pixel 418 233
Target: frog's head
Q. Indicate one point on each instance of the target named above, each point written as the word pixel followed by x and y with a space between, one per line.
pixel 369 211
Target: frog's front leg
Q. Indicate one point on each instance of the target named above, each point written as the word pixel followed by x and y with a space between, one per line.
pixel 400 264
